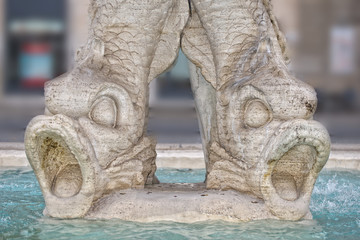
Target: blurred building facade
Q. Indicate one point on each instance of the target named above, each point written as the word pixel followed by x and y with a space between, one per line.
pixel 34 44
pixel 324 37
pixel 39 38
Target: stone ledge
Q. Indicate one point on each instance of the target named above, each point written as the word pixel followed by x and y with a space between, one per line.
pixel 13 158
pixel 180 147
pixel 344 160
pixel 188 156
pixel 181 203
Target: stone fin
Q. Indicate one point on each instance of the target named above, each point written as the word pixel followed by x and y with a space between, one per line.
pixel 169 43
pixel 196 46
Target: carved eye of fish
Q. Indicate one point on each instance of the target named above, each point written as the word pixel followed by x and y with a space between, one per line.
pixel 257 114
pixel 104 112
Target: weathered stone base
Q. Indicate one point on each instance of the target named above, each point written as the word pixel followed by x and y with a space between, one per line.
pixel 180 203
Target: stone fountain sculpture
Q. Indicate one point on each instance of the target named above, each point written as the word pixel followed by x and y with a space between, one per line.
pixel 262 149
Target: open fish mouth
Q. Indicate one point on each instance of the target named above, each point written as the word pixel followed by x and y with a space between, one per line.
pixel 293 160
pixel 61 161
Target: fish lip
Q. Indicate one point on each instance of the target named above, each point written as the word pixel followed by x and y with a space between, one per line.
pixel 289 135
pixel 62 128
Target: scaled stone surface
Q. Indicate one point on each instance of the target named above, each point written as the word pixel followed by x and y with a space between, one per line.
pixel 259 138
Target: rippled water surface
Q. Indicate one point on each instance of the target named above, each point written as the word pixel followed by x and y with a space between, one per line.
pixel 335 205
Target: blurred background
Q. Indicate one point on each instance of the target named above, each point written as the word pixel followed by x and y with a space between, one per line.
pixel 38 39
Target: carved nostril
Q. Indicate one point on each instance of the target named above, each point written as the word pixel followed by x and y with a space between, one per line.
pixel 257 114
pixel 104 112
pixel 310 107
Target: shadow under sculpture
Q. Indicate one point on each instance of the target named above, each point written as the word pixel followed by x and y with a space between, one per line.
pixel 90 151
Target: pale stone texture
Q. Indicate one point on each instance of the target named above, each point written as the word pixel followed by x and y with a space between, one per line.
pixel 182 203
pixel 256 119
pixel 257 127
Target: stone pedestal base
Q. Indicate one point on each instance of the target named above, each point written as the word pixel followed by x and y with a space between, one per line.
pixel 180 203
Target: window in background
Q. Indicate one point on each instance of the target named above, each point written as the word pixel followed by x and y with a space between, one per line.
pixel 35 43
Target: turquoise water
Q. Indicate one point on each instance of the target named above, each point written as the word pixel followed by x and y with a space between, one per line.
pixel 335 205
